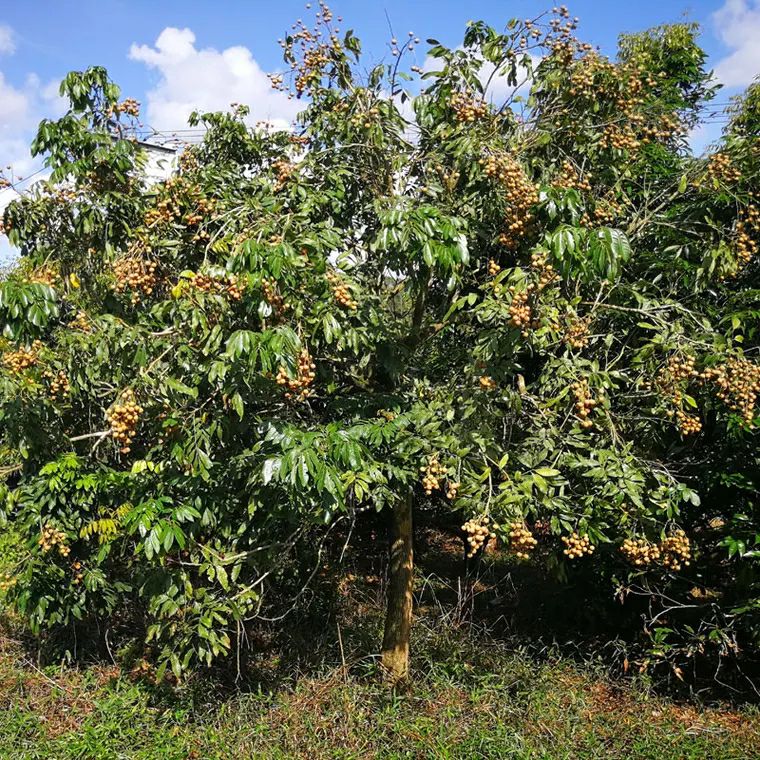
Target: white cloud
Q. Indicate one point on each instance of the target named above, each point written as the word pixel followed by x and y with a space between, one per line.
pixel 15 108
pixel 7 41
pixel 21 107
pixel 207 79
pixel 737 24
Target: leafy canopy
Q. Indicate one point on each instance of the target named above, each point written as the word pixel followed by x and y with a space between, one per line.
pixel 539 312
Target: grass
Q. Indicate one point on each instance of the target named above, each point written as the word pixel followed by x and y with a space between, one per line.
pixel 309 690
pixel 470 699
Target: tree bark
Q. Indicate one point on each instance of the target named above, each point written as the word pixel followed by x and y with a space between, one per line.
pixel 398 619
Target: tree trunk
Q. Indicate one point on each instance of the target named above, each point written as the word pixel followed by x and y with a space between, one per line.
pixel 398 619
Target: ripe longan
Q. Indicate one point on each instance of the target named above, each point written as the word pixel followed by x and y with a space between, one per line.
pixel 577 546
pixel 432 473
pixel 676 550
pixel 576 334
pixel 23 358
pixel 123 417
pixel 136 274
pixel 467 108
pixel 478 534
pixel 584 403
pixel 50 538
pixel 738 385
pixel 521 195
pixel 299 386
pixel 273 298
pixel 521 540
pixel 341 293
pixel 640 552
pixel 58 383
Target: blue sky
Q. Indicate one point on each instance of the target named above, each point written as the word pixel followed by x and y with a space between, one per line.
pixel 174 56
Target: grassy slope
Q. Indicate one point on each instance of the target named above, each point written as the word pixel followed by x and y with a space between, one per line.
pixel 477 700
pixel 472 697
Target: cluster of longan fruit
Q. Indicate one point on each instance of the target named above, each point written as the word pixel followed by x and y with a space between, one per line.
pixel 576 333
pixel 738 385
pixel 282 171
pixel 493 268
pixel 745 234
pixel 365 118
pixel 315 53
pixel 521 540
pixel 204 207
pixel 432 472
pixel 520 311
pixel 272 297
pixel 640 552
pixel 546 272
pixel 6 579
pixel 487 383
pixel 663 130
pixel 314 62
pixel 78 572
pixel 570 179
pixel 23 358
pixel 165 211
pixel 521 195
pixel 51 538
pixel 234 288
pixel 678 369
pixel 605 212
pixel 721 168
pixel 299 386
pixel 688 424
pixel 123 417
pixel 300 141
pixel 81 322
pixel 58 383
pixel 44 276
pixel 340 292
pixel 188 160
pixel 135 274
pixel 129 106
pixel 563 44
pixel 452 489
pixel 450 178
pixel 467 108
pixel 585 71
pixel 478 534
pixel 584 403
pixel 563 50
pixel 63 195
pixel 205 283
pixel 620 137
pixel 577 546
pixel 676 550
pixel 208 284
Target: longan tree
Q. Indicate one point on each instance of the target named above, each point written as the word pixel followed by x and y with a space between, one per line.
pixel 538 313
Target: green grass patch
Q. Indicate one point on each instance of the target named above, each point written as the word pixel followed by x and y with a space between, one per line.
pixel 469 699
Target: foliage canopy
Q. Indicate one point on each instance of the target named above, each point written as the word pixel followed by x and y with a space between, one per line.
pixel 540 312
